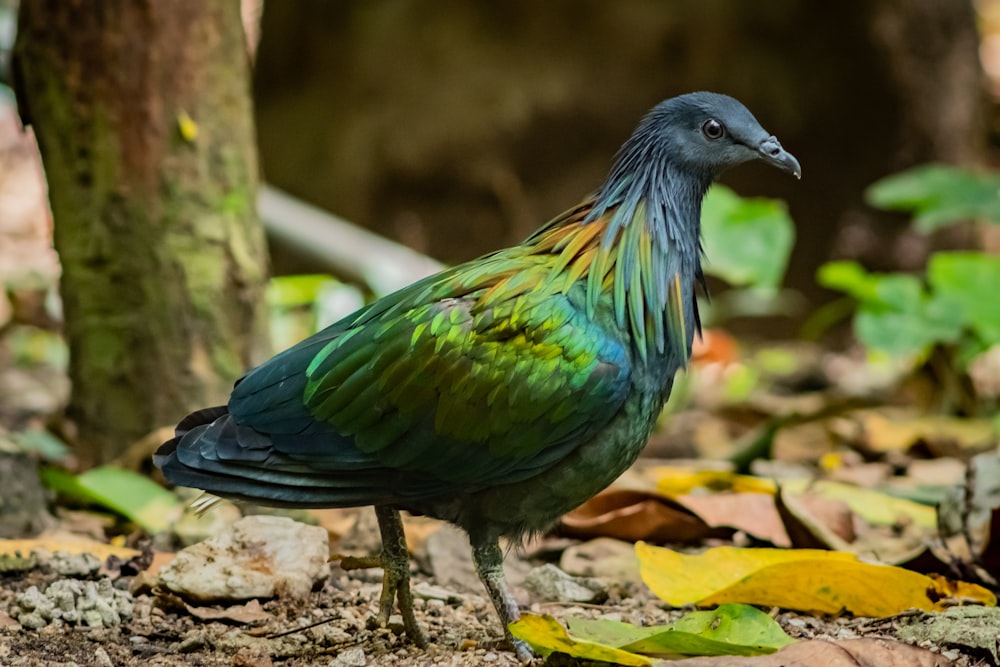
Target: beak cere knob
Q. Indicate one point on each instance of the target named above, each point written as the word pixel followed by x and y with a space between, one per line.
pixel 770 151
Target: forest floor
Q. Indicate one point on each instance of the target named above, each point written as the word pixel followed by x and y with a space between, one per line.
pixel 463 632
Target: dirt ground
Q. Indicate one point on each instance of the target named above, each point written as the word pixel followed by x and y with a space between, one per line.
pixel 331 627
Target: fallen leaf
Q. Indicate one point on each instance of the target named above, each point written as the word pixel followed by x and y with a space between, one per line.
pixel 732 629
pixel 8 623
pixel 249 613
pixel 52 542
pixel 128 493
pixel 546 635
pixel 876 508
pixel 888 430
pixel 805 580
pixel 674 481
pixel 753 513
pixel 845 653
pixel 814 522
pixel 635 515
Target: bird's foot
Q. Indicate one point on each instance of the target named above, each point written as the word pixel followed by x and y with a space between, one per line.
pixel 395 564
pixel 488 560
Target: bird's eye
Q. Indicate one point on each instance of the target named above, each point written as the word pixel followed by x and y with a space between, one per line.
pixel 713 129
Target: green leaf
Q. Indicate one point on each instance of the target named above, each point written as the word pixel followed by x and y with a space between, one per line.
pixel 130 494
pixel 730 629
pixel 848 277
pixel 747 241
pixel 939 195
pixel 291 291
pixel 968 282
pixel 41 442
pixel 896 314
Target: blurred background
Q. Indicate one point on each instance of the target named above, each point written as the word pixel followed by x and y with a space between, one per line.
pixel 459 127
pixel 454 128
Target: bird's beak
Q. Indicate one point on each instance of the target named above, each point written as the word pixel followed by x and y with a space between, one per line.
pixel 771 152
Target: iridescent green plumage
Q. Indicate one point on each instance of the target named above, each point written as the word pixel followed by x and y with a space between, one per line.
pixel 500 393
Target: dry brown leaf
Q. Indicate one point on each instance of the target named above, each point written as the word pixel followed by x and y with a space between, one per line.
pixel 753 513
pixel 846 653
pixel 246 614
pixel 878 431
pixel 636 515
pixel 7 622
pixel 814 522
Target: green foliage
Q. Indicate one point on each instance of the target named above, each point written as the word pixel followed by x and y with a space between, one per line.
pixel 302 304
pixel 747 241
pixel 134 496
pixel 906 315
pixel 939 195
pixel 896 313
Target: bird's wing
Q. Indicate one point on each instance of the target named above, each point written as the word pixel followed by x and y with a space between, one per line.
pixel 491 383
pixel 474 393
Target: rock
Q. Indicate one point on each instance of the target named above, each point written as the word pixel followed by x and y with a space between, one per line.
pixel 258 557
pixel 90 603
pixel 427 591
pixel 602 557
pixel 451 562
pixel 74 565
pixel 551 584
pixel 351 657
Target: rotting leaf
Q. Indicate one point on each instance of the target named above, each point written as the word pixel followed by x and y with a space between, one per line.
pixel 805 580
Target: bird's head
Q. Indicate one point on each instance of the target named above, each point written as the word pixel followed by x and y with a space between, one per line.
pixel 707 133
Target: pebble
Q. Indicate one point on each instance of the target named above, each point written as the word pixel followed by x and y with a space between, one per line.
pixel 90 603
pixel 350 657
pixel 550 583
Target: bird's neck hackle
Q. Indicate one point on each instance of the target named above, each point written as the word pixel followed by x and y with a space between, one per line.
pixel 652 237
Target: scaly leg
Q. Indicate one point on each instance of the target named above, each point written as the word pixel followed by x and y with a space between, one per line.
pixel 488 559
pixel 396 577
pixel 395 563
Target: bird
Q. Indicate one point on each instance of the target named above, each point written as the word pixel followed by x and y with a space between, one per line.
pixel 502 392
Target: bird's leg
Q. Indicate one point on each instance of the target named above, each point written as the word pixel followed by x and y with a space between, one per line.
pixel 396 574
pixel 488 559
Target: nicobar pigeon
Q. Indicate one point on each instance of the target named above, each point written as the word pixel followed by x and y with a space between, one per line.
pixel 503 392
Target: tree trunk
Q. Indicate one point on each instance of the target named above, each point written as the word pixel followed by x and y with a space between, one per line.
pixel 142 113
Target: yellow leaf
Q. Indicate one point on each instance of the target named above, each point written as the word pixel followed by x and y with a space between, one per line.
pixel 807 580
pixel 67 543
pixel 187 127
pixel 546 635
pixel 678 481
pixel 875 507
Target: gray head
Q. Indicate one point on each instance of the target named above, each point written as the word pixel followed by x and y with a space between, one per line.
pixel 701 135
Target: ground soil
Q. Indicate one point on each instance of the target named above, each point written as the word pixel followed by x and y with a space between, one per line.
pixel 333 627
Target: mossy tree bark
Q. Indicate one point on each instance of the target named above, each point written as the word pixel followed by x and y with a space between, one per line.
pixel 142 113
